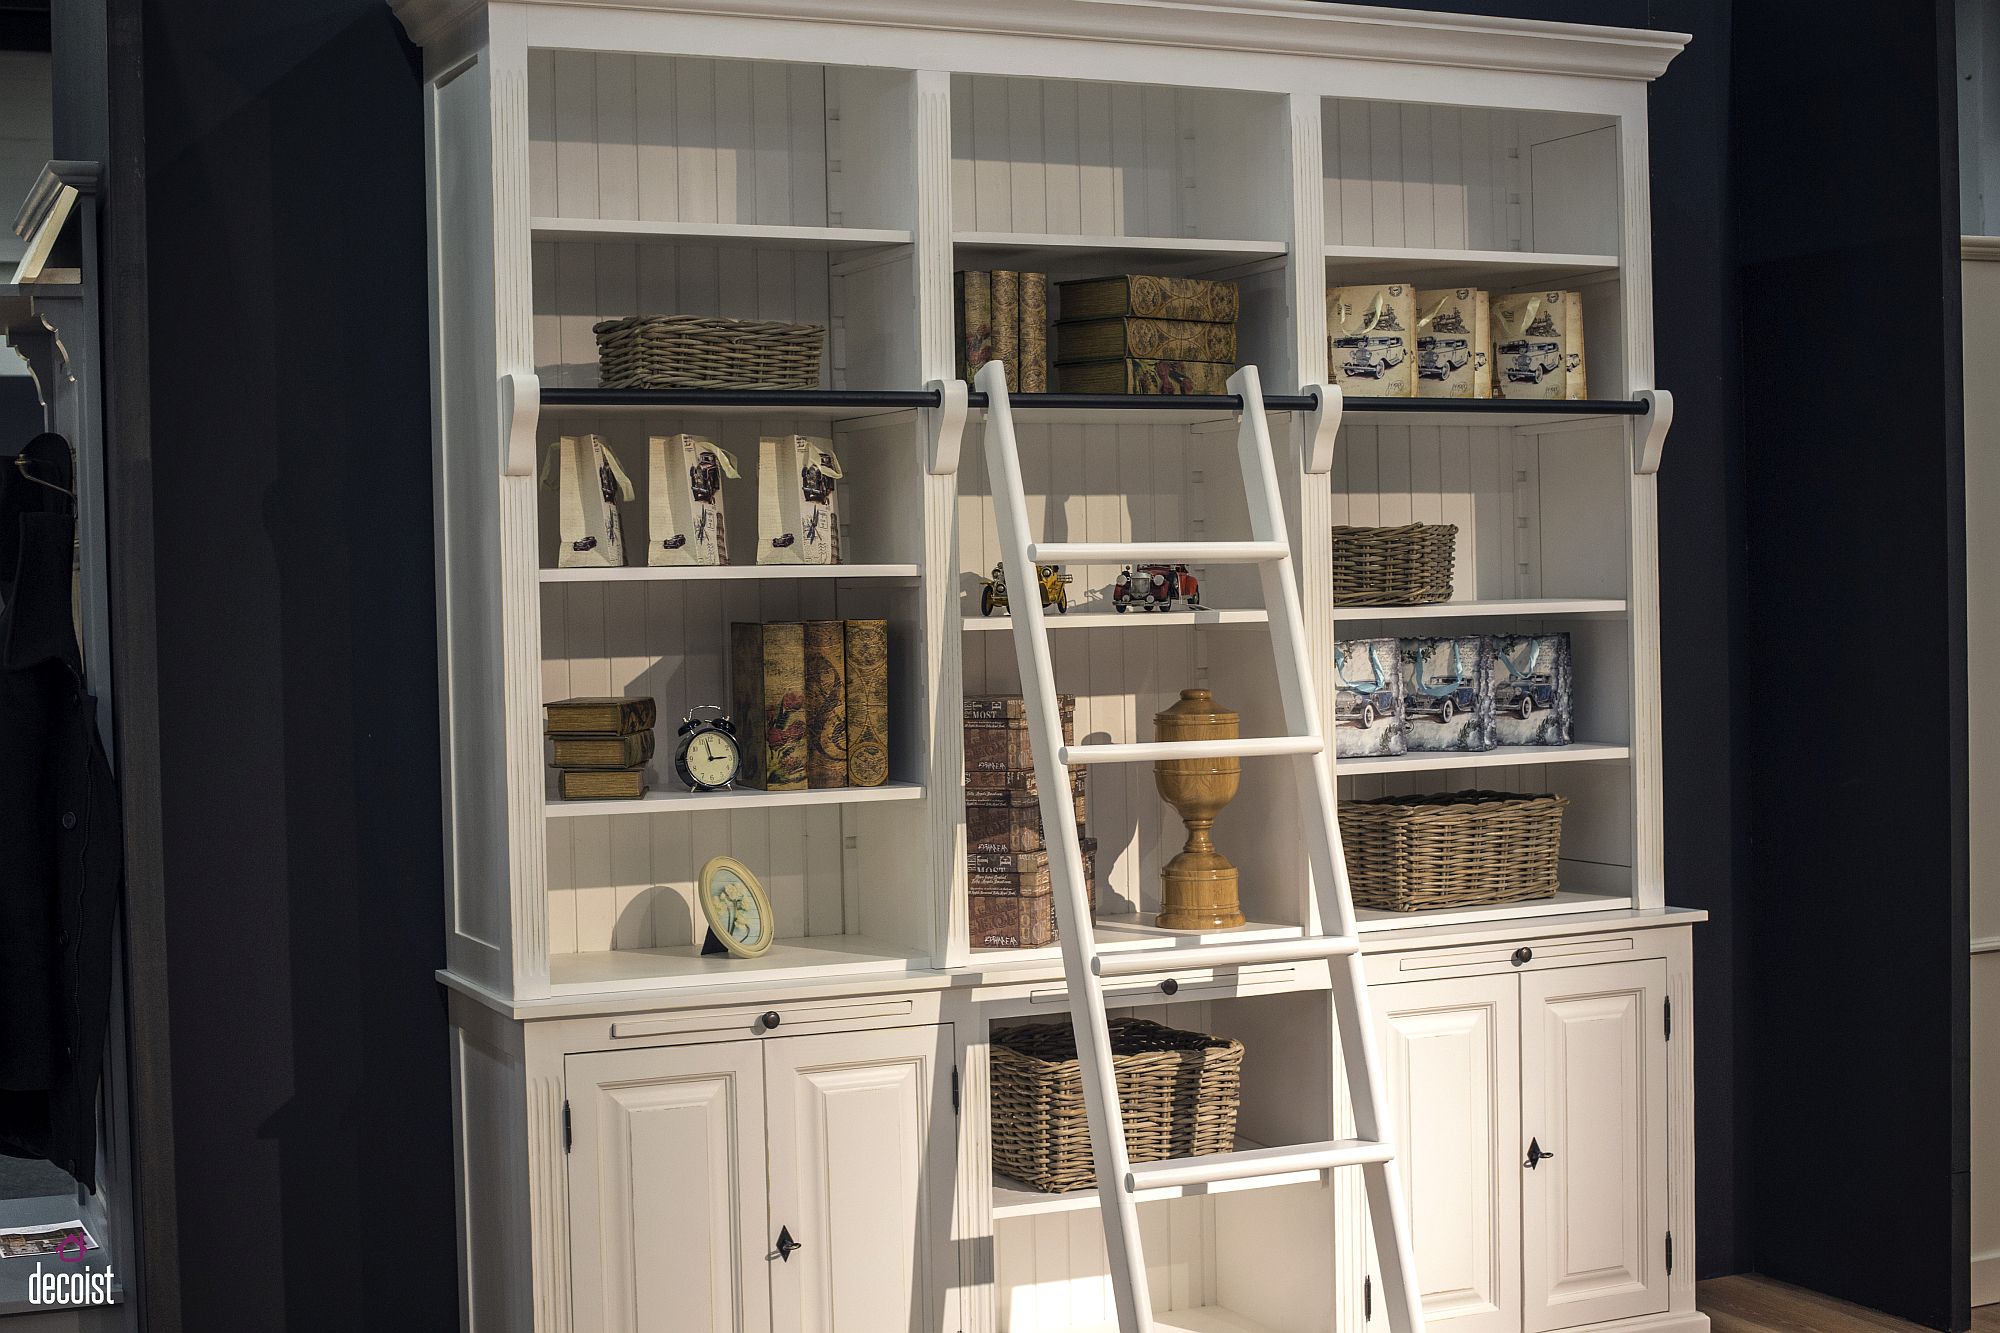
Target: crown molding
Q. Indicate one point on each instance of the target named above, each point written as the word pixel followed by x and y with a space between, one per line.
pixel 1979 247
pixel 1296 27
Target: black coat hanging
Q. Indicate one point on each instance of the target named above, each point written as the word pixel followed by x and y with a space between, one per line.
pixel 61 843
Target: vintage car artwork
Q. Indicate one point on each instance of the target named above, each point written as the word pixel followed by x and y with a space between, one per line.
pixel 1155 588
pixel 1524 688
pixel 1370 356
pixel 1360 703
pixel 1438 357
pixel 1444 696
pixel 1529 360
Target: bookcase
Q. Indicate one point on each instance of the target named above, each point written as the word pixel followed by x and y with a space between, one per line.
pixel 835 164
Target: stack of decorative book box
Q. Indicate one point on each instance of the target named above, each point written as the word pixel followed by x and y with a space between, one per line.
pixel 1007 857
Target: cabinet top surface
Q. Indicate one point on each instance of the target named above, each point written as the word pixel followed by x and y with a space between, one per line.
pixel 1287 27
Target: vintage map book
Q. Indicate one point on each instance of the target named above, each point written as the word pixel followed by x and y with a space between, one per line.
pixel 767 696
pixel 975 322
pixel 603 751
pixel 1007 324
pixel 826 704
pixel 1169 339
pixel 599 716
pixel 1145 375
pixel 1034 375
pixel 587 784
pixel 1202 299
pixel 867 703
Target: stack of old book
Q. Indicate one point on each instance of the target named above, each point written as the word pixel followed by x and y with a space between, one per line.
pixel 1007 856
pixel 1142 334
pixel 810 699
pixel 1003 316
pixel 600 747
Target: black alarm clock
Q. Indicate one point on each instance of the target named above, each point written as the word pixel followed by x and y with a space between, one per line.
pixel 707 756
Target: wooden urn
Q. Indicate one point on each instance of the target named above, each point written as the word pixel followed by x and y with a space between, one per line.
pixel 1198 886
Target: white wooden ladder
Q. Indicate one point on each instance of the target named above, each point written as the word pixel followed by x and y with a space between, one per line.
pixel 1118 1179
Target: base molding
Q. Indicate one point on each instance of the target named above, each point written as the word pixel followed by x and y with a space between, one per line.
pixel 1986 1278
pixel 1673 1321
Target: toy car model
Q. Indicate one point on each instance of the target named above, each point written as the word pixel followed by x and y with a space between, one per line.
pixel 1370 355
pixel 1528 362
pixel 1155 587
pixel 1438 357
pixel 993 597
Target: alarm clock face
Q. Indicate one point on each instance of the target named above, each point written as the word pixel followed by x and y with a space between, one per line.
pixel 711 757
pixel 736 908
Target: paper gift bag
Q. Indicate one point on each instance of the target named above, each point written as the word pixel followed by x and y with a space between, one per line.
pixel 1531 348
pixel 589 483
pixel 1448 693
pixel 1371 339
pixel 684 515
pixel 1367 698
pixel 1531 689
pixel 798 511
pixel 1453 353
pixel 1578 385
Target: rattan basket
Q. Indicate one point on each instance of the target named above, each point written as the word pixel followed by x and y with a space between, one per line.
pixel 698 352
pixel 1458 849
pixel 1178 1092
pixel 1405 566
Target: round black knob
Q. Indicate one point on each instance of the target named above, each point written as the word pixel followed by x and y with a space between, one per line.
pixel 769 1020
pixel 1169 986
pixel 1523 955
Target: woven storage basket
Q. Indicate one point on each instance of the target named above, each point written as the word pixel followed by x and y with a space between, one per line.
pixel 1178 1092
pixel 1406 566
pixel 697 352
pixel 1459 849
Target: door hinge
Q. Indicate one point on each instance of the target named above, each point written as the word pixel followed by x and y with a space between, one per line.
pixel 1367 1298
pixel 954 1089
pixel 1670 1017
pixel 567 1137
pixel 1670 1254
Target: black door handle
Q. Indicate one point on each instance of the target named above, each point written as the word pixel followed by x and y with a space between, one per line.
pixel 786 1244
pixel 1536 1155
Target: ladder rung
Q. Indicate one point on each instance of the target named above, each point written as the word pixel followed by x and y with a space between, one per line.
pixel 1131 962
pixel 1137 553
pixel 1254 1162
pixel 1140 752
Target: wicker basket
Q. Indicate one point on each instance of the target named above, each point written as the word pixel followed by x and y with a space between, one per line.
pixel 1459 849
pixel 1178 1091
pixel 1406 566
pixel 696 352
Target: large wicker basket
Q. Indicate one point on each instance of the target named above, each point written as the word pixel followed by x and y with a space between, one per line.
pixel 1178 1092
pixel 1459 849
pixel 1404 566
pixel 696 352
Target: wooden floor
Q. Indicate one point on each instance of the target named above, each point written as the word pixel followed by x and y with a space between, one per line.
pixel 1759 1305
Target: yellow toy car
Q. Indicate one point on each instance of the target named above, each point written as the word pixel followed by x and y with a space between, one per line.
pixel 993 596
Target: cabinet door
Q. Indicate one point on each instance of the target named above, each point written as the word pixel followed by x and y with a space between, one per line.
pixel 1449 1071
pixel 1594 1095
pixel 666 1190
pixel 863 1155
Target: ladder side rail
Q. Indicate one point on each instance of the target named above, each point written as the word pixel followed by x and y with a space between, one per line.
pixel 1386 1208
pixel 1125 1258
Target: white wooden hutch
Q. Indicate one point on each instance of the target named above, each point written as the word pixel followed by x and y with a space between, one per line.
pixel 637 1122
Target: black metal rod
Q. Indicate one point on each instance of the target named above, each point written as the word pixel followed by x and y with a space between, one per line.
pixel 896 399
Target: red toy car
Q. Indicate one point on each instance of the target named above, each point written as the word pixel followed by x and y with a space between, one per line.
pixel 1156 588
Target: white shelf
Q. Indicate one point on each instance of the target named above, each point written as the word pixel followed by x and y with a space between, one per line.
pixel 1011 1198
pixel 685 965
pixel 1202 1319
pixel 654 573
pixel 761 236
pixel 1452 268
pixel 689 802
pixel 1061 255
pixel 1081 619
pixel 1431 761
pixel 1564 902
pixel 1135 930
pixel 1525 607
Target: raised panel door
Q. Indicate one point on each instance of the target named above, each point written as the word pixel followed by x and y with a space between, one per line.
pixel 1450 1072
pixel 1594 1099
pixel 666 1187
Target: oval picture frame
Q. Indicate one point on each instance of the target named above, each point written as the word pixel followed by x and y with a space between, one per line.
pixel 714 876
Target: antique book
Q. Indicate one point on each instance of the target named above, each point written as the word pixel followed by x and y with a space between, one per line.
pixel 975 322
pixel 1145 375
pixel 1034 354
pixel 996 736
pixel 1578 384
pixel 1007 779
pixel 1168 339
pixel 1026 874
pixel 867 703
pixel 1452 349
pixel 1009 821
pixel 1007 324
pixel 1531 355
pixel 1147 297
pixel 599 716
pixel 613 784
pixel 767 696
pixel 628 751
pixel 1011 708
pixel 1371 340
pixel 1003 921
pixel 826 704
